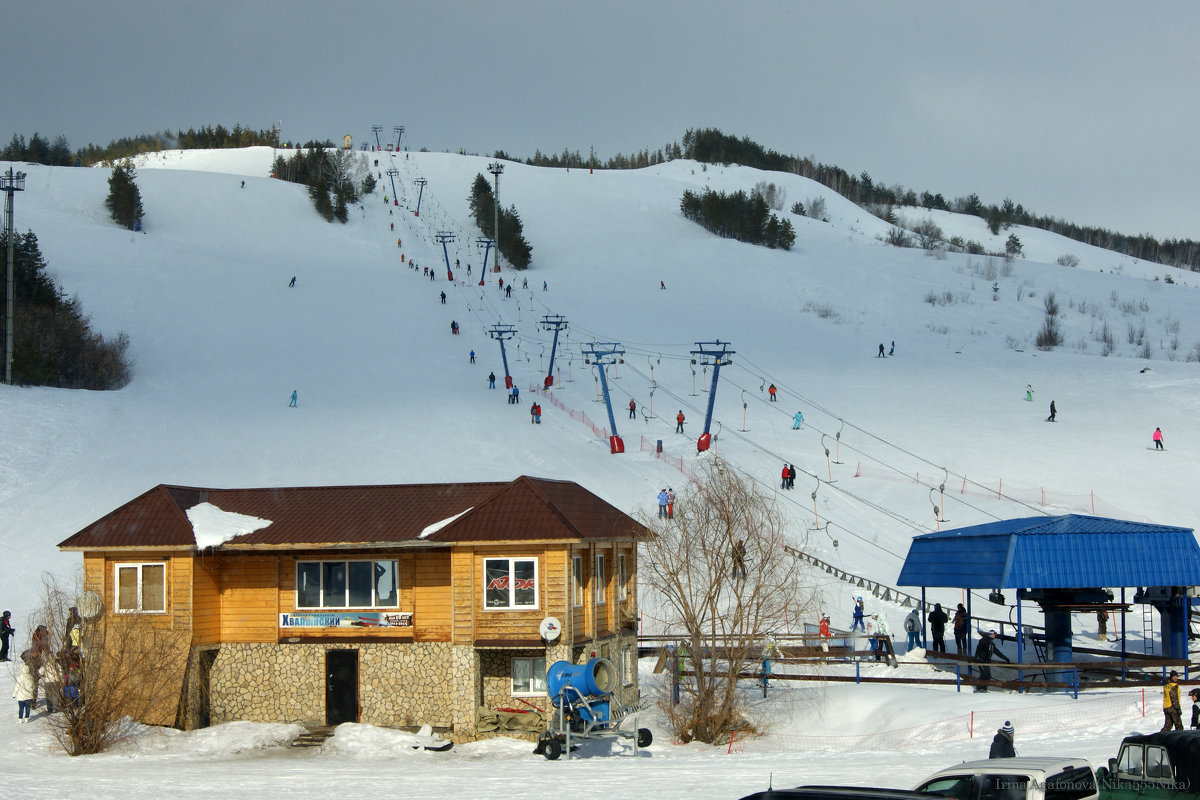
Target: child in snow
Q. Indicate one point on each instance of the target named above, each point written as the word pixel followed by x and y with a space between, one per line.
pixel 23 692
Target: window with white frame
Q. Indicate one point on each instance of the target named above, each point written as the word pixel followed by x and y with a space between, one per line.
pixel 509 583
pixel 528 676
pixel 601 579
pixel 577 581
pixel 622 578
pixel 347 584
pixel 140 587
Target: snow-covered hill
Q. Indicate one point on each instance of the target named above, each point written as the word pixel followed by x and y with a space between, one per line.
pixel 387 394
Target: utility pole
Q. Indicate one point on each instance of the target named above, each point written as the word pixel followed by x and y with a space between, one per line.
pixel 716 353
pixel 502 331
pixel 10 183
pixel 443 238
pixel 392 173
pixel 497 169
pixel 599 351
pixel 377 129
pixel 486 244
pixel 399 131
pixel 556 323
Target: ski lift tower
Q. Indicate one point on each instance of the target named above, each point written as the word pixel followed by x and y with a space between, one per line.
pixel 392 173
pixel 419 182
pixel 555 322
pixel 9 184
pixel 377 129
pixel 486 243
pixel 716 353
pixel 443 238
pixel 399 131
pixel 600 351
pixel 502 332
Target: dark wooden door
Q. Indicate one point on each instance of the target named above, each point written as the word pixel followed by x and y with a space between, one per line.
pixel 341 686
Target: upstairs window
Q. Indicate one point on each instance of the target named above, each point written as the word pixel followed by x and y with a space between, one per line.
pixel 509 583
pixel 601 579
pixel 577 581
pixel 141 588
pixel 347 584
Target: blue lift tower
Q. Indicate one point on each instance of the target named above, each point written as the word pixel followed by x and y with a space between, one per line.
pixel 420 182
pixel 502 332
pixel 556 323
pixel 444 237
pixel 600 352
pixel 716 353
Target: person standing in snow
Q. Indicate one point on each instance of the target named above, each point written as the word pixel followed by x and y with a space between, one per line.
pixel 798 421
pixel 6 630
pixel 24 692
pixel 771 391
pixel 883 638
pixel 443 298
pixel 533 413
pixel 962 629
pixel 292 404
pixel 1101 625
pixel 679 421
pixel 791 476
pixel 912 626
pixel 662 285
pixel 881 353
pixel 491 380
pixel 472 356
pixel 783 482
pixel 545 286
pixel 1002 744
pixel 1158 439
pixel 292 284
pixel 662 504
pixel 1172 711
pixel 1053 412
pixel 1029 393
pixel 937 628
pixel 892 352
pixel 516 395
pixel 670 503
pixel 632 409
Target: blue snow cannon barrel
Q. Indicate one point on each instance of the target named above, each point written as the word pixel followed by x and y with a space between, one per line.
pixel 595 680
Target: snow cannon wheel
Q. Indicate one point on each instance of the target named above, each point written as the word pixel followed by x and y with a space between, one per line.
pixel 616 445
pixel 548 381
pixel 644 737
pixel 551 749
pixel 703 442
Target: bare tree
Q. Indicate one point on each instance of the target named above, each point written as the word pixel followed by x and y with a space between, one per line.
pixel 929 235
pixel 774 196
pixel 117 666
pixel 718 573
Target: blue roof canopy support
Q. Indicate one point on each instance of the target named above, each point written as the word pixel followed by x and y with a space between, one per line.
pixel 1072 551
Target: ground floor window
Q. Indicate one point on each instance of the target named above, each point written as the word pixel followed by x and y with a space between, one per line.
pixel 528 676
pixel 628 665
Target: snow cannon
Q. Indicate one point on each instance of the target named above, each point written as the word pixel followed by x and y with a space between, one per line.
pixel 703 442
pixel 616 444
pixel 585 708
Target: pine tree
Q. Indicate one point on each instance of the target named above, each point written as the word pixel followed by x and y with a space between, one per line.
pixel 124 200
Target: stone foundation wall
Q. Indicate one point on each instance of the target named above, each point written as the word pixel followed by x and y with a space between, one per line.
pixel 398 684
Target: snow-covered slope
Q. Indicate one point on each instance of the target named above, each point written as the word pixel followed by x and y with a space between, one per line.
pixel 387 394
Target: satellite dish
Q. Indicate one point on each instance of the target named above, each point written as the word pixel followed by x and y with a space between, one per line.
pixel 550 629
pixel 90 605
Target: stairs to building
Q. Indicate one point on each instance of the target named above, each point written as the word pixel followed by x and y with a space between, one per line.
pixel 312 737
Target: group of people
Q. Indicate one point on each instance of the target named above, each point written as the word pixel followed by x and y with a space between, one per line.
pixel 535 413
pixel 1172 712
pixel 57 676
pixel 788 475
pixel 666 503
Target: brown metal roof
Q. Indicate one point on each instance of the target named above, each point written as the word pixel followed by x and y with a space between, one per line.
pixel 523 509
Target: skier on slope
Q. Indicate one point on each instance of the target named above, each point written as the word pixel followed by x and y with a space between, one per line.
pixel 798 421
pixel 1158 439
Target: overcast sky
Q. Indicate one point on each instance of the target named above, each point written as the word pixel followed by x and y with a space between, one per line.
pixel 1081 110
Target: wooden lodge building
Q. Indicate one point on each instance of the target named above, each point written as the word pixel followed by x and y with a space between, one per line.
pixel 393 605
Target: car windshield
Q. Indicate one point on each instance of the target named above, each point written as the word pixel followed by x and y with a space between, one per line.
pixel 956 786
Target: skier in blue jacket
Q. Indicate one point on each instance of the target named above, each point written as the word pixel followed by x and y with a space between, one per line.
pixel 857 619
pixel 798 421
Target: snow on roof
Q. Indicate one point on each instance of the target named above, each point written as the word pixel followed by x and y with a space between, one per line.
pixel 430 530
pixel 212 526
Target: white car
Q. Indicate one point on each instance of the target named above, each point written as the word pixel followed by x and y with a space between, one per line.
pixel 1015 779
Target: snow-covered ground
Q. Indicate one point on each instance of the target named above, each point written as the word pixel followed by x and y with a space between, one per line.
pixel 386 395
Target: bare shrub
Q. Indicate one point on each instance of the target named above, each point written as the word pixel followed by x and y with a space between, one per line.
pixel 928 234
pixel 689 564
pixel 897 237
pixel 120 669
pixel 1067 260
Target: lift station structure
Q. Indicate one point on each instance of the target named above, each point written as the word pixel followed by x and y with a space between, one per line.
pixel 1067 564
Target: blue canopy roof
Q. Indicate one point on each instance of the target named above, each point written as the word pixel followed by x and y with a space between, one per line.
pixel 1072 551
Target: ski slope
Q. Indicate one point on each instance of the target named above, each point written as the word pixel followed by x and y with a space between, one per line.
pixel 387 395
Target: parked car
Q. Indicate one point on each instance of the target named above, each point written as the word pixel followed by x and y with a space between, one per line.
pixel 1015 779
pixel 838 793
pixel 1154 766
